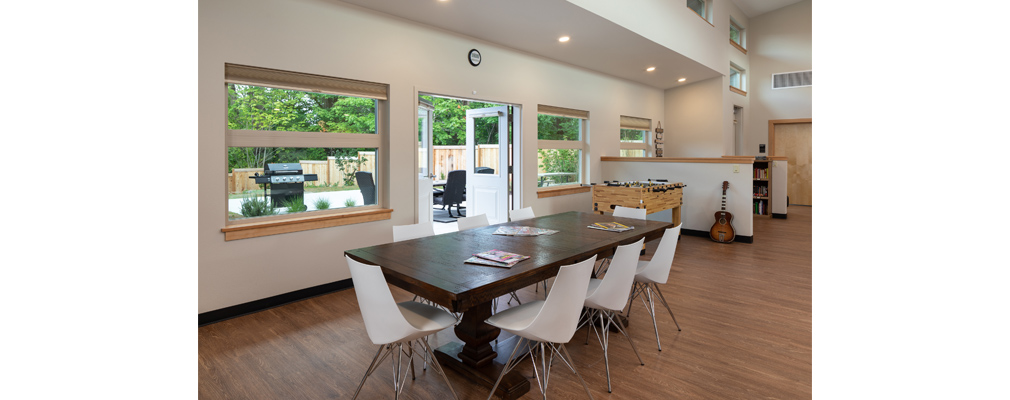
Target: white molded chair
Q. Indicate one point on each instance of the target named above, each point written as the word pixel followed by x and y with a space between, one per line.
pixel 605 297
pixel 551 323
pixel 407 232
pixel 653 273
pixel 475 221
pixel 628 212
pixel 391 325
pixel 521 214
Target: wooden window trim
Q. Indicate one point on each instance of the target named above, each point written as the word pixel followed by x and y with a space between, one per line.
pixel 737 91
pixel 708 5
pixel 738 46
pixel 302 223
pixel 733 160
pixel 562 190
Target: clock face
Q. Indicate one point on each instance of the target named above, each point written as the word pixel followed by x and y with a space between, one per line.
pixel 474 57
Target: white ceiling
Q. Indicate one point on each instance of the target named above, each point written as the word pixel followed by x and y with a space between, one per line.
pixel 534 26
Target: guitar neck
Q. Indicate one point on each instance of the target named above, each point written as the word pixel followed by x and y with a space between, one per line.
pixel 724 202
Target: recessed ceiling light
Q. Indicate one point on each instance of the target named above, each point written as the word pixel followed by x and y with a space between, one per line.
pixel 564 39
pixel 681 79
pixel 650 69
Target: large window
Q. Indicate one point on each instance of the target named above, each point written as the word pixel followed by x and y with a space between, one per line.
pixel 561 145
pixel 736 36
pixel 737 79
pixel 300 143
pixel 635 136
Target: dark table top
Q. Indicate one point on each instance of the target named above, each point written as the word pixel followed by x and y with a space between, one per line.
pixel 433 266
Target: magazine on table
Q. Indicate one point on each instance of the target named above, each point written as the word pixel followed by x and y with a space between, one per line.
pixel 611 226
pixel 496 258
pixel 523 231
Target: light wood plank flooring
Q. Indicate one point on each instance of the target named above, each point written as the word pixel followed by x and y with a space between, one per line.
pixel 745 310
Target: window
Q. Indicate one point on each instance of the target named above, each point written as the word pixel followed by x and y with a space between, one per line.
pixel 326 128
pixel 737 79
pixel 702 8
pixel 737 37
pixel 635 136
pixel 561 136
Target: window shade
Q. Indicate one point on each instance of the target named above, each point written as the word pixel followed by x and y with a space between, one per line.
pixel 641 124
pixel 246 75
pixel 562 112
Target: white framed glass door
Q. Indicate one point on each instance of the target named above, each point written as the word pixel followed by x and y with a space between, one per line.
pixel 487 163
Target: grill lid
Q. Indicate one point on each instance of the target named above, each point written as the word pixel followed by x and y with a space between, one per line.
pixel 283 169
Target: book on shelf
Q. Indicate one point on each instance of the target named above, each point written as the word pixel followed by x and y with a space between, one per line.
pixel 523 231
pixel 496 258
pixel 611 226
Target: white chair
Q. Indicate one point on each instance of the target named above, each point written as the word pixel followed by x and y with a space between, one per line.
pixel 407 232
pixel 521 214
pixel 607 296
pixel 551 323
pixel 655 272
pixel 391 325
pixel 628 212
pixel 475 221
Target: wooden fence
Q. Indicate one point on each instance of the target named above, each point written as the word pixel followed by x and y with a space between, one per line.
pixel 451 158
pixel 328 172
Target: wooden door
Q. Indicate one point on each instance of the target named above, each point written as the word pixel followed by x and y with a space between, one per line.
pixel 795 141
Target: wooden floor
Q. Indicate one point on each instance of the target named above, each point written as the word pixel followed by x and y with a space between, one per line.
pixel 745 310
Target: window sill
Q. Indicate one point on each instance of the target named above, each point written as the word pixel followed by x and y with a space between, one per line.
pixel 737 91
pixel 738 46
pixel 562 190
pixel 297 224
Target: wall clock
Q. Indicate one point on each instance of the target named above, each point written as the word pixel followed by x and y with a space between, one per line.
pixel 474 57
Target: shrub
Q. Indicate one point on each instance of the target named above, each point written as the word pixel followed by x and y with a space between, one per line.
pixel 295 204
pixel 350 202
pixel 322 203
pixel 254 206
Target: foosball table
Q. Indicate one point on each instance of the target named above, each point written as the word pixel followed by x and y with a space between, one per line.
pixel 652 196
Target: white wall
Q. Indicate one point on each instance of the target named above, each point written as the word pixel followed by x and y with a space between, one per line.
pixel 335 39
pixel 703 194
pixel 778 41
pixel 695 118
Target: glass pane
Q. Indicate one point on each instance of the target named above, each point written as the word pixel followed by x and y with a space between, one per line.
pixel 551 127
pixel 734 34
pixel 316 179
pixel 270 109
pixel 734 78
pixel 632 136
pixel 485 135
pixel 698 6
pixel 632 153
pixel 422 142
pixel 558 167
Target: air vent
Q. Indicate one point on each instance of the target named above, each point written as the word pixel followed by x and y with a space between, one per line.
pixel 792 80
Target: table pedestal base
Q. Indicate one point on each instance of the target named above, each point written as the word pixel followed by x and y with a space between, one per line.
pixel 513 385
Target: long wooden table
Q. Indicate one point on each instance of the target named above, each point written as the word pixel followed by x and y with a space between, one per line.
pixel 433 268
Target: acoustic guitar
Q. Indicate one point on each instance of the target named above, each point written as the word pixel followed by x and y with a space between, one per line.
pixel 722 230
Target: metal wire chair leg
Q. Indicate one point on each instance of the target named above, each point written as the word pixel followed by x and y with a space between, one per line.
pixel 572 366
pixel 652 311
pixel 663 299
pixel 507 367
pixel 436 366
pixel 368 372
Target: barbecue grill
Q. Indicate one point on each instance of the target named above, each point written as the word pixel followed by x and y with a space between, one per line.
pixel 286 181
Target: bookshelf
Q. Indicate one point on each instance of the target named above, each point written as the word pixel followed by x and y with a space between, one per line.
pixel 762 187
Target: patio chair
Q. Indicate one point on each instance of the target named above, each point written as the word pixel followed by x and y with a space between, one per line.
pixel 455 185
pixel 367 186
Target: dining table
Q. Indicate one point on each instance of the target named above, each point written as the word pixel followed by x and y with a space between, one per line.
pixel 433 267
